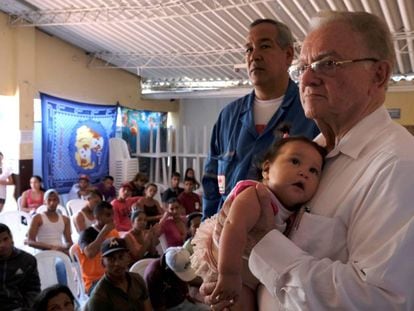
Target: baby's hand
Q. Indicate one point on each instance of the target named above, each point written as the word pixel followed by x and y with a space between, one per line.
pixel 228 288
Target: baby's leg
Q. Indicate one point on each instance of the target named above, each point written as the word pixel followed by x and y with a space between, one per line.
pixel 247 301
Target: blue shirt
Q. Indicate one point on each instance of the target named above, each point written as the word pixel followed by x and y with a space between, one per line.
pixel 236 148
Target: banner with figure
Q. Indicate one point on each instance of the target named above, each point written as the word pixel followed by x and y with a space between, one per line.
pixel 75 140
pixel 145 121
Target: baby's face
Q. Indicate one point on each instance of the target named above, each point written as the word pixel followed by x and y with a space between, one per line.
pixel 294 174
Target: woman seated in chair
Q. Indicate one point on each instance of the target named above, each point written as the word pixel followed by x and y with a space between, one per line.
pixel 33 197
pixel 141 242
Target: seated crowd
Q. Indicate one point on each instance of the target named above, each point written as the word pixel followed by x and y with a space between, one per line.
pixel 113 232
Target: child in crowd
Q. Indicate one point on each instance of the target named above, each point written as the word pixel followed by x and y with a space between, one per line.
pixel 150 206
pixel 188 199
pixel 5 180
pixel 193 223
pixel 173 191
pixel 189 172
pixel 291 171
pixel 141 241
pixel 123 208
pixel 107 189
pixel 138 184
pixel 33 197
pixel 172 224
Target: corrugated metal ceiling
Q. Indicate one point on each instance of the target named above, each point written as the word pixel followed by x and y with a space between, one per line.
pixel 177 40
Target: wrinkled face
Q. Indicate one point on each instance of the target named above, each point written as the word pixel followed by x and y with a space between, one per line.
pixel 175 181
pixel 267 62
pixel 116 264
pixel 60 302
pixel 6 245
pixel 150 192
pixel 188 186
pixel 194 224
pixel 294 174
pixel 140 222
pixel 34 183
pixel 339 98
pixel 52 202
pixel 83 184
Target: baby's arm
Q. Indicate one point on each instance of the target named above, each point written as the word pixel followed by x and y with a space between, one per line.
pixel 242 216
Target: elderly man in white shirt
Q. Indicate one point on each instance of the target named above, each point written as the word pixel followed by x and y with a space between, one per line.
pixel 353 250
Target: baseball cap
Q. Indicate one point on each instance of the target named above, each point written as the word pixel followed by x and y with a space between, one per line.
pixel 178 260
pixel 113 245
pixel 83 176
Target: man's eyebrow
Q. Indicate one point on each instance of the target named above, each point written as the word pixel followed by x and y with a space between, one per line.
pixel 322 55
pixel 260 41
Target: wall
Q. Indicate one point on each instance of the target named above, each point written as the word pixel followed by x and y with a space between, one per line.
pixel 405 102
pixel 32 61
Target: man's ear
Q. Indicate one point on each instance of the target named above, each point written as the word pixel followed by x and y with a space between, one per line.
pixel 382 73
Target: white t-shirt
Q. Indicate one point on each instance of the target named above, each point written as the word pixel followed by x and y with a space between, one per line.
pixel 263 111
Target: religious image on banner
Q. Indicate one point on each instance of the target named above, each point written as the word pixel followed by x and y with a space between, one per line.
pixel 143 121
pixel 75 141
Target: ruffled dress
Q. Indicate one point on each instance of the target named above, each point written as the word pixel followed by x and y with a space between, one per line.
pixel 206 241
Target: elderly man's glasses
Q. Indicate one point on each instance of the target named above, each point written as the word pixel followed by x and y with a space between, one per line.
pixel 325 67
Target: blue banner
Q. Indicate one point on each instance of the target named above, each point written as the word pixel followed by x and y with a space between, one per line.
pixel 75 140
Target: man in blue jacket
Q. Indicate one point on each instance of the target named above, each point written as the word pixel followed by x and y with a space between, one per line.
pixel 19 279
pixel 247 127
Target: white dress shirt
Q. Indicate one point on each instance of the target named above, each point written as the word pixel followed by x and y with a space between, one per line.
pixel 354 250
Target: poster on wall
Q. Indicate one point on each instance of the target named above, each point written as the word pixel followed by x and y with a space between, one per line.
pixel 144 122
pixel 75 141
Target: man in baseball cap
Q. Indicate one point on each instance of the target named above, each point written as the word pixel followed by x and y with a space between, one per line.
pixel 168 278
pixel 118 289
pixel 178 260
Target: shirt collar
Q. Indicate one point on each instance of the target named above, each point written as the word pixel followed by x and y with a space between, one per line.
pixel 355 140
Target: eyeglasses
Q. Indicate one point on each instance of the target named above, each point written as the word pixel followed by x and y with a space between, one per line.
pixel 325 67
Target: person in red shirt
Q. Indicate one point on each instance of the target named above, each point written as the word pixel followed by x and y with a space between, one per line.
pixel 188 199
pixel 123 208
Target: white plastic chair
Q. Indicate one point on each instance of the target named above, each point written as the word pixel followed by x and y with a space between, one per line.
pixel 46 261
pixel 75 205
pixel 19 203
pixel 140 265
pixel 60 209
pixel 13 219
pixel 73 253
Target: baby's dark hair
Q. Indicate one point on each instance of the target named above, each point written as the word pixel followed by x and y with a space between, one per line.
pixel 274 150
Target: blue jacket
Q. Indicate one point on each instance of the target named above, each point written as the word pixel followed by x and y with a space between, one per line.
pixel 236 148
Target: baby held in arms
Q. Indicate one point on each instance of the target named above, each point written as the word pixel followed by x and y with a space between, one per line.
pixel 291 172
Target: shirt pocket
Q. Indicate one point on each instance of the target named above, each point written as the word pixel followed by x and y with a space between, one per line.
pixel 322 236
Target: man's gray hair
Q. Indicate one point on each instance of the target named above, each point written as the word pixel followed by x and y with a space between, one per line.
pixel 284 35
pixel 374 31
